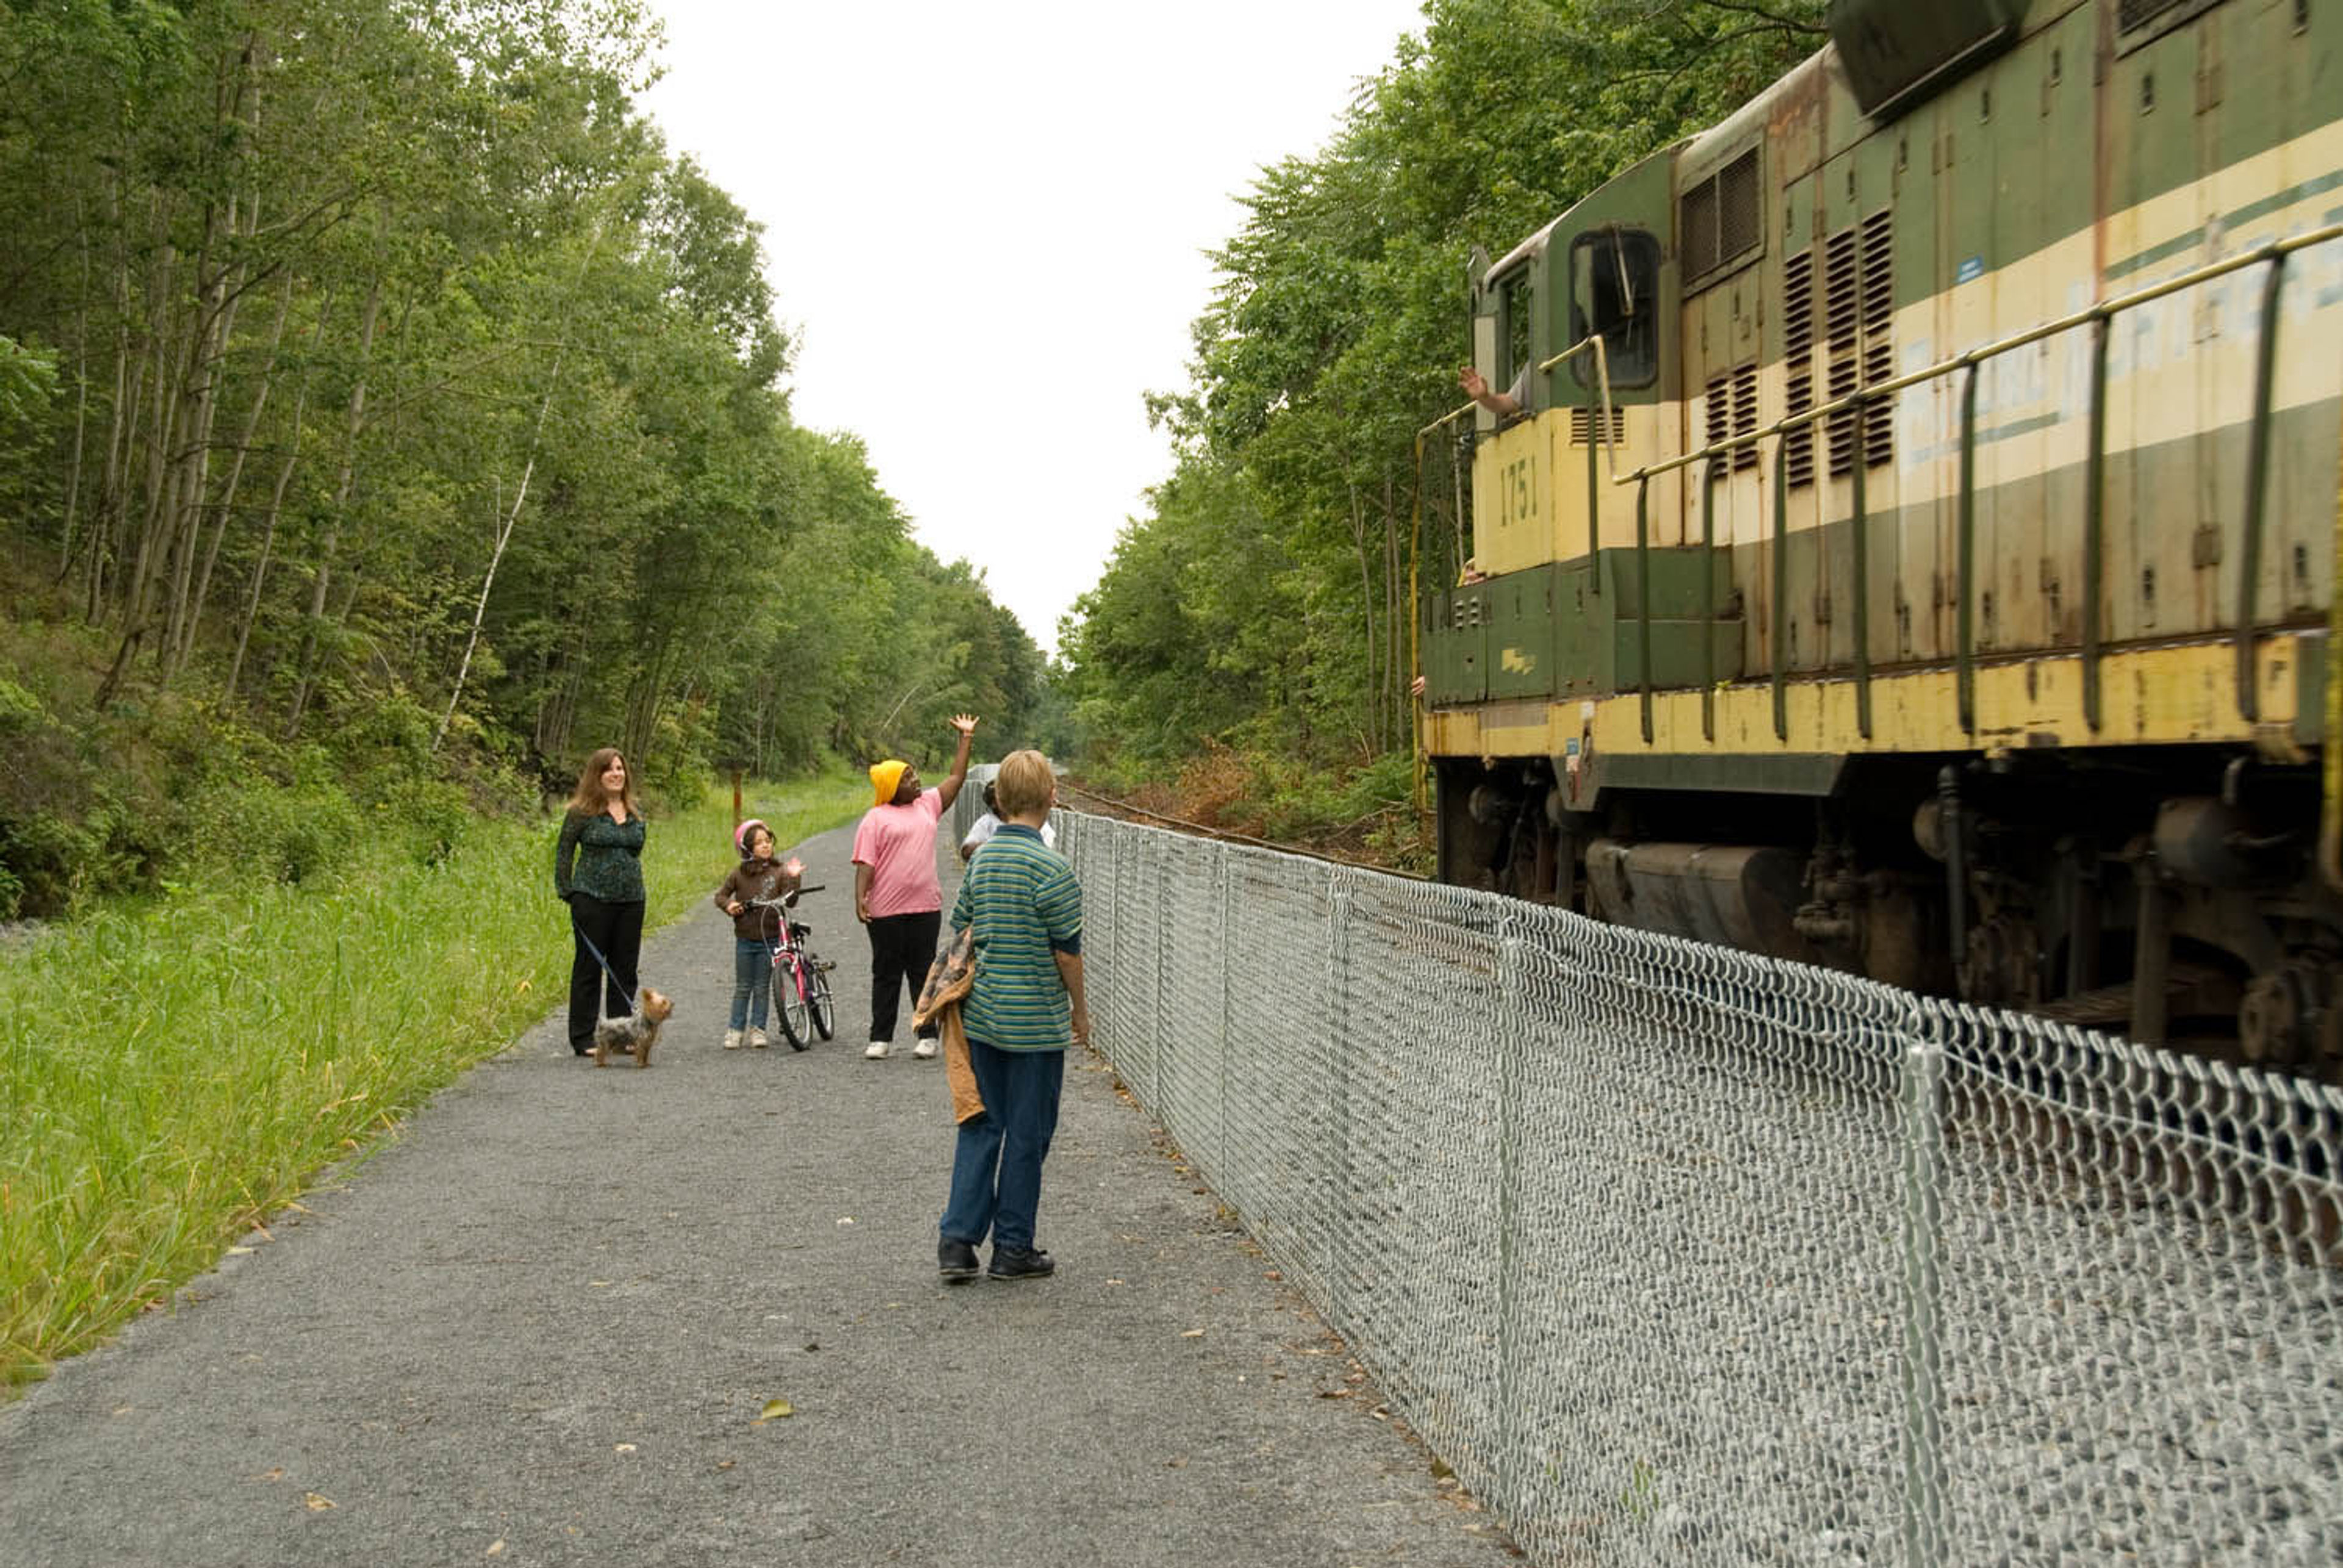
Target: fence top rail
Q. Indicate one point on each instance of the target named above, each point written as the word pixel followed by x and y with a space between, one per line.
pixel 1224 836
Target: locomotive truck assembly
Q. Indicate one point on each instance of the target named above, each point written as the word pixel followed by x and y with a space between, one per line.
pixel 1915 553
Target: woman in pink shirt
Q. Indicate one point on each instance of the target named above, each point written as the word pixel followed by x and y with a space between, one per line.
pixel 896 892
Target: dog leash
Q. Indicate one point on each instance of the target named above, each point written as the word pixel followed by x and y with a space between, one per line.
pixel 580 932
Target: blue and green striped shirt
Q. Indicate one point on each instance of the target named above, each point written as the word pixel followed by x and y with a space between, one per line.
pixel 1026 907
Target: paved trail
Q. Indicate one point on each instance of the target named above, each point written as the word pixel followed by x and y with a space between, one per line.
pixel 540 1328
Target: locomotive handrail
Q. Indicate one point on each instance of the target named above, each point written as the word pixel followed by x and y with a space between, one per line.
pixel 1450 417
pixel 2272 253
pixel 2271 250
pixel 1594 438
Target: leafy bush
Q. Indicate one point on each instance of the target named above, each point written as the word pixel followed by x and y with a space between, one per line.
pixel 60 815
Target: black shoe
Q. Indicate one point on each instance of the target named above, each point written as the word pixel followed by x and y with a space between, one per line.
pixel 956 1261
pixel 1021 1263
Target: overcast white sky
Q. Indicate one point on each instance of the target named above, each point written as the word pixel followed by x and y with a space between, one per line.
pixel 984 225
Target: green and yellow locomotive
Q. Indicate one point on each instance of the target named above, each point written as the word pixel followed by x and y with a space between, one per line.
pixel 1916 553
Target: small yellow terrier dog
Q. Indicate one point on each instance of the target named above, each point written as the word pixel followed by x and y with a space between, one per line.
pixel 635 1034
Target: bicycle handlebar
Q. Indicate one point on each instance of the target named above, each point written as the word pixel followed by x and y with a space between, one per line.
pixel 785 900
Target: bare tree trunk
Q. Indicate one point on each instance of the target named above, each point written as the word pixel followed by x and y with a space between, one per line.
pixel 113 503
pixel 1366 610
pixel 218 313
pixel 276 501
pixel 235 479
pixel 370 318
pixel 558 714
pixel 1397 708
pixel 139 590
pixel 81 395
pixel 480 608
pixel 505 530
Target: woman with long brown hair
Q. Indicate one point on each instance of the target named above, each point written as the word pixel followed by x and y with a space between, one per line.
pixel 598 872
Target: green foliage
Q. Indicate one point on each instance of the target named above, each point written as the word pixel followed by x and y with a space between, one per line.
pixel 481 457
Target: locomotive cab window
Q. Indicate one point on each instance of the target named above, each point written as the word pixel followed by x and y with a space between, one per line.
pixel 1614 293
pixel 1516 343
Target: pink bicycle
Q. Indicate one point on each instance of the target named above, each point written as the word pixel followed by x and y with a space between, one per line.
pixel 802 999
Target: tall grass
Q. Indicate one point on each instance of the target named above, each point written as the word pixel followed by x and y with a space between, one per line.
pixel 173 1070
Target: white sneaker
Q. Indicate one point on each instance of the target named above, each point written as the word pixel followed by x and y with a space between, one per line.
pixel 876 1050
pixel 732 1039
pixel 757 1039
pixel 924 1049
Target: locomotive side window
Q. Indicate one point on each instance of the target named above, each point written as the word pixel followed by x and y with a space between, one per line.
pixel 1516 347
pixel 1614 292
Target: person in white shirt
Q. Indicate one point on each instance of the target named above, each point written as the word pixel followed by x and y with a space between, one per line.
pixel 984 827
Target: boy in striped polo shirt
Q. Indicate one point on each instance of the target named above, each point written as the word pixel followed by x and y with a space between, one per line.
pixel 1025 1008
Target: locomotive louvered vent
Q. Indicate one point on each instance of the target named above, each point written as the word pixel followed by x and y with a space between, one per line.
pixel 1737 228
pixel 1859 322
pixel 1878 333
pixel 1798 353
pixel 1582 421
pixel 1840 276
pixel 1744 416
pixel 1732 410
pixel 1842 332
pixel 1699 224
pixel 1718 220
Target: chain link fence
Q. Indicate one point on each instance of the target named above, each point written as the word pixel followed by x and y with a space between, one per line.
pixel 1678 1254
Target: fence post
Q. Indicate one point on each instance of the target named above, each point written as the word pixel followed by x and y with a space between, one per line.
pixel 1338 1019
pixel 1513 1027
pixel 1923 1161
pixel 1224 1167
pixel 1160 1035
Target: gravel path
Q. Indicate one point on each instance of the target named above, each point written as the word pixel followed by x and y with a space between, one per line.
pixel 541 1324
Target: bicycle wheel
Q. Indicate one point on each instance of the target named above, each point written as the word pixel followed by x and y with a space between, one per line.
pixel 824 1011
pixel 789 1002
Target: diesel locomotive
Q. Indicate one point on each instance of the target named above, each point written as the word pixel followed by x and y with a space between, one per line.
pixel 1915 550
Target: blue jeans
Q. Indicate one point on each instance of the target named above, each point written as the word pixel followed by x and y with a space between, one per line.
pixel 996 1179
pixel 752 980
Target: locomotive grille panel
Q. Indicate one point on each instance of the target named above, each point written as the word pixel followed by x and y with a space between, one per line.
pixel 1744 416
pixel 1732 410
pixel 1737 230
pixel 1581 422
pixel 1879 332
pixel 1841 276
pixel 1700 228
pixel 1799 350
pixel 1718 221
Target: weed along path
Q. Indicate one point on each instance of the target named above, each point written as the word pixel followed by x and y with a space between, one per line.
pixel 546 1323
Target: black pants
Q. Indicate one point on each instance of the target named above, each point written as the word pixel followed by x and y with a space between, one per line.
pixel 618 930
pixel 902 949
